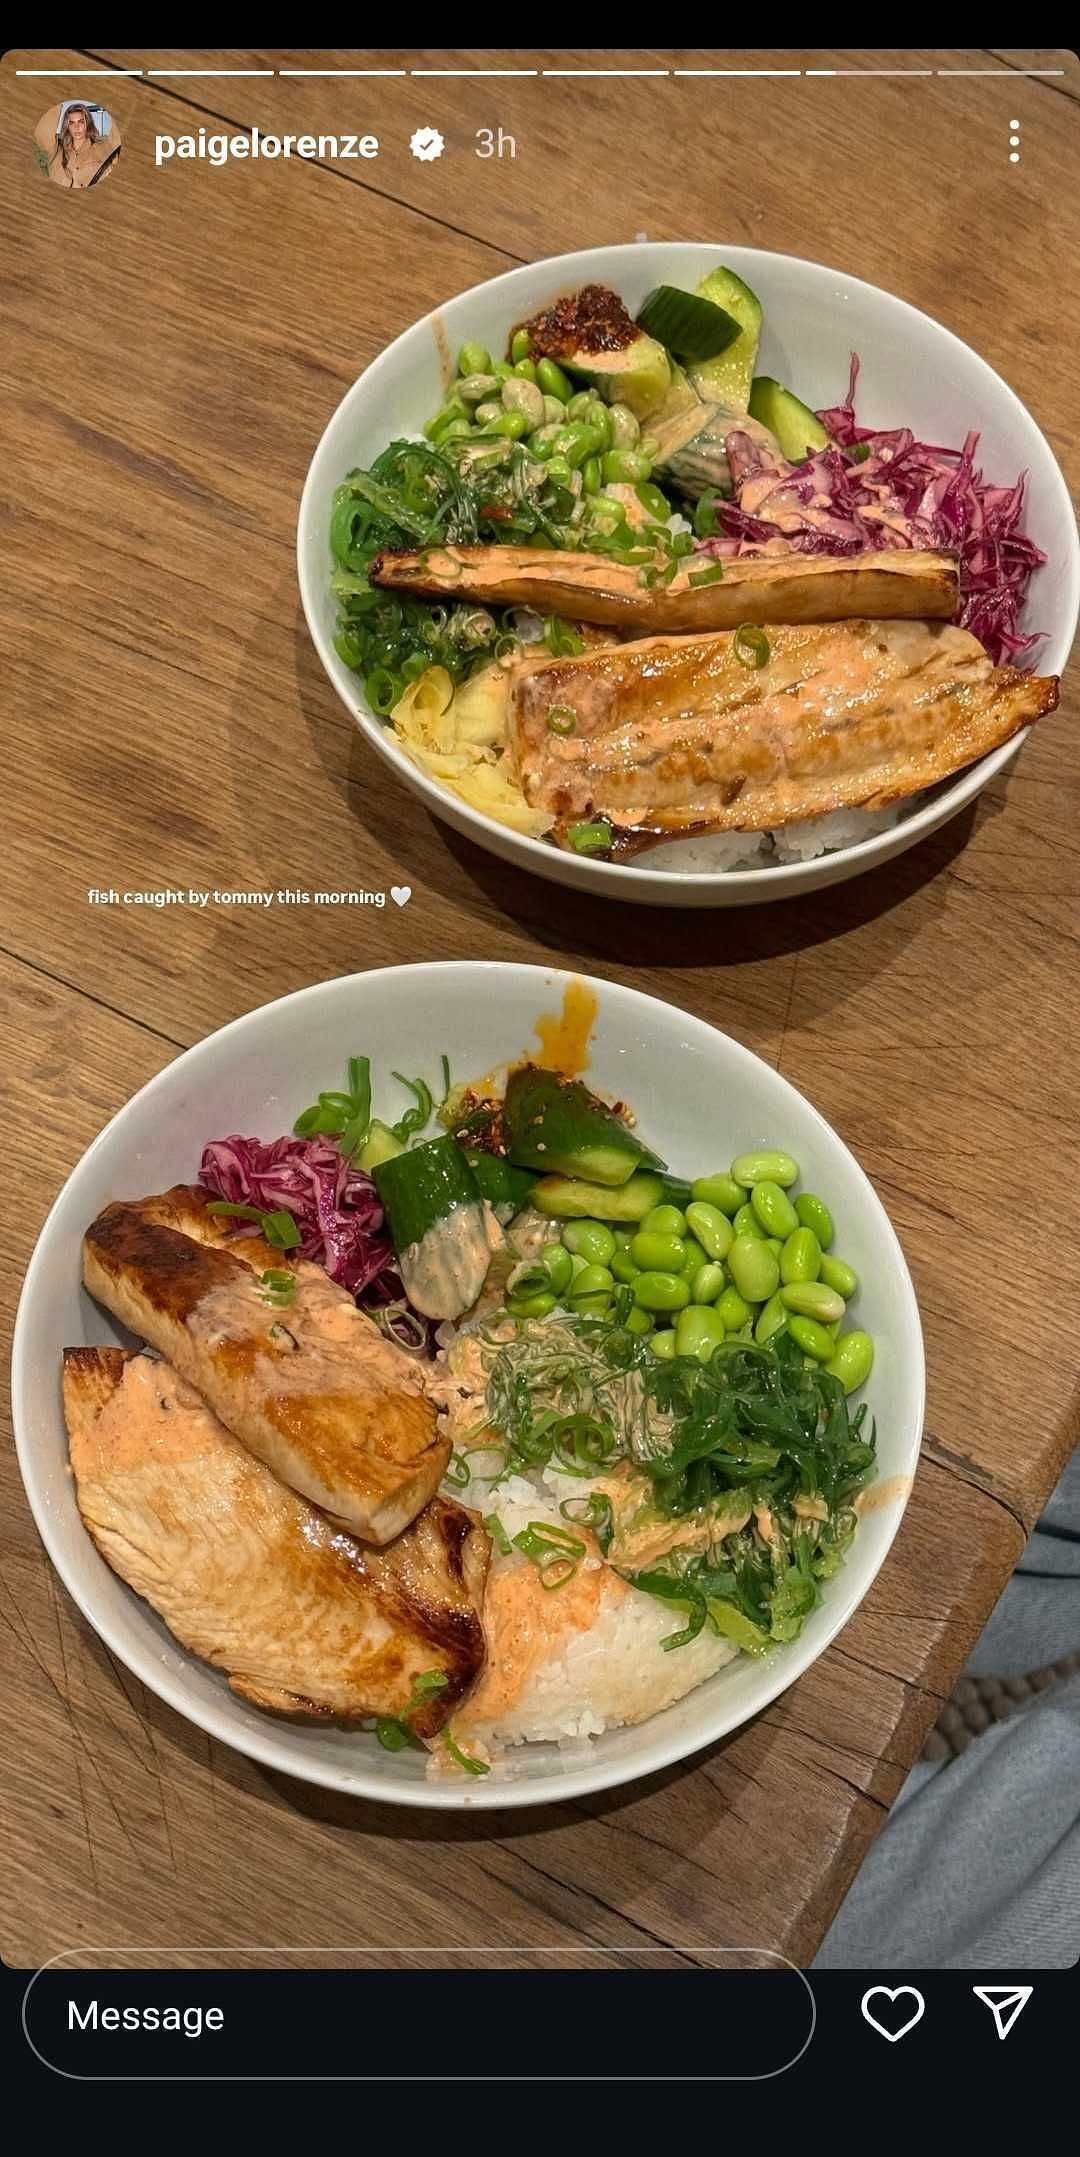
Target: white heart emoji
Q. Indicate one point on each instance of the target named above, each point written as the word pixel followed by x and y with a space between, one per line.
pixel 401 894
pixel 892 1994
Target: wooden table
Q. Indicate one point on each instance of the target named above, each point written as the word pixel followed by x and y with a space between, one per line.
pixel 172 347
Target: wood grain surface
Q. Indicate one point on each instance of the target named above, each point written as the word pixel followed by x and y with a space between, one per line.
pixel 170 349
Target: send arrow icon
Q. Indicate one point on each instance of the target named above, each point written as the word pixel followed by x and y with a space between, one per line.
pixel 1006 2003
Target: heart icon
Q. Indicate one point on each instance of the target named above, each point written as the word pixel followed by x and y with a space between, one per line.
pixel 886 2028
pixel 401 894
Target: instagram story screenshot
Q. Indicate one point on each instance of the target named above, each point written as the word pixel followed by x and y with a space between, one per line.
pixel 540 904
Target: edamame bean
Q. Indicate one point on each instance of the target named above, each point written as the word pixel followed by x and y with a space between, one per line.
pixel 559 471
pixel 623 1238
pixel 502 370
pixel 520 345
pixel 624 464
pixel 524 397
pixel 765 1167
pixel 769 1320
pixel 814 1340
pixel 800 1259
pixel 554 414
pixel 663 1344
pixel 483 414
pixel 511 424
pixel 720 1191
pixel 580 402
pixel 596 1306
pixel 707 1284
pixel 639 1320
pixel 852 1360
pixel 475 387
pixel 712 1228
pixel 453 430
pixel 814 1213
pixel 698 1330
pixel 599 419
pixel 575 443
pixel 773 1208
pixel 746 1223
pixel 558 1265
pixel 525 369
pixel 591 475
pixel 695 1258
pixel 535 1306
pixel 474 359
pixel 577 1264
pixel 593 1280
pixel 811 1299
pixel 454 409
pixel 623 1267
pixel 843 1278
pixel 625 432
pixel 661 1291
pixel 658 1254
pixel 753 1269
pixel 732 1310
pixel 773 1244
pixel 665 1221
pixel 553 382
pixel 590 1240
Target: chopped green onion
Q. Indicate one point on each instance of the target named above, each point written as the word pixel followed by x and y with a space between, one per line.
pixel 414 1119
pixel 593 1510
pixel 458 1472
pixel 752 647
pixel 446 1088
pixel 590 838
pixel 391 1734
pixel 859 453
pixel 278 1227
pixel 553 1550
pixel 425 1682
pixel 562 719
pixel 465 1760
pixel 558 1572
pixel 278 1286
pixel 712 575
pixel 498 1534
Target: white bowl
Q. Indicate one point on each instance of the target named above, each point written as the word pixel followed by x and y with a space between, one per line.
pixel 701 1099
pixel 913 373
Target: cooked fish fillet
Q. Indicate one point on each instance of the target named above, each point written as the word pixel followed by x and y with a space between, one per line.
pixel 248 1575
pixel 674 734
pixel 771 588
pixel 313 1388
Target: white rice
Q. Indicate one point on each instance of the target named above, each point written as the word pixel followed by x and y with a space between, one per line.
pixel 717 852
pixel 589 1678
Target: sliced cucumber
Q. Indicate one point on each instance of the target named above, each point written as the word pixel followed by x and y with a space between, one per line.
pixel 437 1225
pixel 797 429
pixel 727 378
pixel 500 1182
pixel 690 327
pixel 566 1198
pixel 556 1123
pixel 381 1144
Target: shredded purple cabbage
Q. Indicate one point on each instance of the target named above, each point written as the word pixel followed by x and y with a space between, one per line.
pixel 335 1206
pixel 900 493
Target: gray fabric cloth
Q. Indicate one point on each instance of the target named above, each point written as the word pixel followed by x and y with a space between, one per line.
pixel 978 1864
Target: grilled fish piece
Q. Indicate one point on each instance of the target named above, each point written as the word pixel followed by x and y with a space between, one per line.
pixel 770 588
pixel 312 1387
pixel 669 735
pixel 305 1620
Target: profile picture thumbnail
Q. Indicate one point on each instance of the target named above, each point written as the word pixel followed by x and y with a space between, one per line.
pixel 77 143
